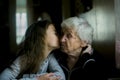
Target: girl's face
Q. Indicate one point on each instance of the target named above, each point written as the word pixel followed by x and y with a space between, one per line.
pixel 51 37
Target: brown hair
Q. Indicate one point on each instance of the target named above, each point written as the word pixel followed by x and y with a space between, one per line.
pixel 33 47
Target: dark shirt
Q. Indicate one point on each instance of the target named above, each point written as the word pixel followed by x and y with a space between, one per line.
pixel 88 67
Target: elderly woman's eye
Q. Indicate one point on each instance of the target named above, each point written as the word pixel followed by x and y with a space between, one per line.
pixel 69 35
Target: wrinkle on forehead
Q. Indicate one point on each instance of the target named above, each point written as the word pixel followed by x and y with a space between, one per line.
pixel 69 30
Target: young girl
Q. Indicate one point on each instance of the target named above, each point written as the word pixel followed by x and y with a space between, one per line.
pixel 34 61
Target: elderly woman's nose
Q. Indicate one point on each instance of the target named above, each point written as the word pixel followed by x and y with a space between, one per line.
pixel 63 39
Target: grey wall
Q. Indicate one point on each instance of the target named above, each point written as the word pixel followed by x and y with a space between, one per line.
pixel 117 21
pixel 102 19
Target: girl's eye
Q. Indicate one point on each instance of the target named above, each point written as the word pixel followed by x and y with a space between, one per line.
pixel 55 33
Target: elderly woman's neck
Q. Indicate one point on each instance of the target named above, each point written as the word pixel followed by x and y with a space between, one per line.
pixel 73 58
pixel 71 61
pixel 75 53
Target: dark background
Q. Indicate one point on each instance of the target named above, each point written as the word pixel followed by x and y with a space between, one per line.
pixel 100 14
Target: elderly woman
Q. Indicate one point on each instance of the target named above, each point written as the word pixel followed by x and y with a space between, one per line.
pixel 78 59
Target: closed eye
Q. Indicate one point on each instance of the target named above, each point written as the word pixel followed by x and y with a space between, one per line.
pixel 68 35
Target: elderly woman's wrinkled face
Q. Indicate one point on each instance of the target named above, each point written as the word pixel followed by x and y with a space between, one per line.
pixel 69 40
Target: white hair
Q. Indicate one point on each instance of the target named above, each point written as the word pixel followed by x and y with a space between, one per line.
pixel 82 27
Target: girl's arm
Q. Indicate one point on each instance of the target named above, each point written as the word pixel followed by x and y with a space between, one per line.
pixel 54 67
pixel 13 71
